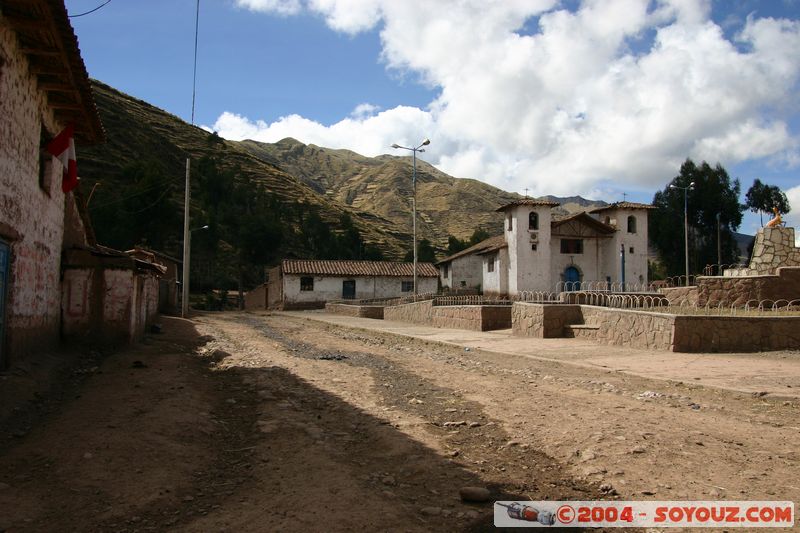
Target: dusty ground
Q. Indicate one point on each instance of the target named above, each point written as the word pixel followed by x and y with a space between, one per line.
pixel 246 422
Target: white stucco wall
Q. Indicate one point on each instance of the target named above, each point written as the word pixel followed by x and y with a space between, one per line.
pixel 496 282
pixel 529 270
pixel 636 262
pixel 330 287
pixel 590 263
pixel 464 272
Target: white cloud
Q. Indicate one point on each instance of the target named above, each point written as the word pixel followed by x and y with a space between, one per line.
pixel 616 91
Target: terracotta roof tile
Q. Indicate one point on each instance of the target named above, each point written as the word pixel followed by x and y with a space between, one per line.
pixel 528 201
pixel 357 268
pixel 623 205
pixel 490 244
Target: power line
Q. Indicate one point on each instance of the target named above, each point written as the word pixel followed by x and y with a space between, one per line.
pixel 194 71
pixel 91 10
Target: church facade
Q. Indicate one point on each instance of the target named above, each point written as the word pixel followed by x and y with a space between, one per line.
pixel 540 252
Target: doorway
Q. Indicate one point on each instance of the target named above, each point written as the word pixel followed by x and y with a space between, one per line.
pixel 5 253
pixel 349 289
pixel 572 277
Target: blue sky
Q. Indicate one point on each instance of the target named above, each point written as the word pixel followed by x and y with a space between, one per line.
pixel 594 98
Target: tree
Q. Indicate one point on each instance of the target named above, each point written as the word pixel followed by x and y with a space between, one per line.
pixel 455 245
pixel 713 192
pixel 478 235
pixel 761 198
pixel 425 252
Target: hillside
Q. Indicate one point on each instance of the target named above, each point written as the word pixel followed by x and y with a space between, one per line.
pixel 139 132
pixel 383 186
pixel 139 173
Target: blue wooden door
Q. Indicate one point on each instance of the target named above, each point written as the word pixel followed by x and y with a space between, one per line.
pixel 572 277
pixel 5 252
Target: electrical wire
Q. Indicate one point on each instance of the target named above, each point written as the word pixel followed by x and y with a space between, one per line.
pixel 91 10
pixel 194 71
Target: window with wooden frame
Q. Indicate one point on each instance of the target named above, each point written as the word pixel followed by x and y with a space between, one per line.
pixel 307 283
pixel 571 246
pixel 490 262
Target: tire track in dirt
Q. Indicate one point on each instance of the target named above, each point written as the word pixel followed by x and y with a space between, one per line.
pixel 476 441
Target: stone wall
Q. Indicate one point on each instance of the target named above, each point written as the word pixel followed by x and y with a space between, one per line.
pixel 634 329
pixel 472 317
pixel 736 334
pixel 414 313
pixel 784 285
pixel 544 321
pixel 360 311
pixel 681 295
pixel 773 248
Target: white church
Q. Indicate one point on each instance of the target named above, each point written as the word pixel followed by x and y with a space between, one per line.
pixel 538 250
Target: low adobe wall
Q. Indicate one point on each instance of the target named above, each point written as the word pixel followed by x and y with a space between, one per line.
pixel 256 298
pixel 544 321
pixel 415 313
pixel 472 317
pixel 360 311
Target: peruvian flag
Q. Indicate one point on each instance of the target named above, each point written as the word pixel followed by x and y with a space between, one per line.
pixel 63 148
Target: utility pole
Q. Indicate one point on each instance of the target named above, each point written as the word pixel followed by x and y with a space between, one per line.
pixel 187 234
pixel 719 247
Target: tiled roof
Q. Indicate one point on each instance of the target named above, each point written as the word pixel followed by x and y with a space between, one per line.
pixel 622 205
pixel 47 38
pixel 528 201
pixel 357 268
pixel 587 219
pixel 487 245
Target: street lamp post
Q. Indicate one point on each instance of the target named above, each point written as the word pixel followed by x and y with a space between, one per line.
pixel 187 246
pixel 685 224
pixel 414 199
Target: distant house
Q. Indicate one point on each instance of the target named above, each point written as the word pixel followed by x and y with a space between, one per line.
pixel 462 270
pixel 309 284
pixel 168 281
pixel 538 252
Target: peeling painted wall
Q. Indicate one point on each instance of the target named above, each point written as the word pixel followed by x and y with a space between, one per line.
pixel 31 217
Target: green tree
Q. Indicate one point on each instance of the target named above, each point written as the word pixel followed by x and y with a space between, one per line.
pixel 477 236
pixel 713 193
pixel 425 252
pixel 761 198
pixel 455 245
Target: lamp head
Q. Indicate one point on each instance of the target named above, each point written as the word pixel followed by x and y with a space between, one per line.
pixel 205 227
pixel 691 185
pixel 395 146
pixel 426 142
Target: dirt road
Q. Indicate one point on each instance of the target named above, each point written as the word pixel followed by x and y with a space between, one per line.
pixel 247 422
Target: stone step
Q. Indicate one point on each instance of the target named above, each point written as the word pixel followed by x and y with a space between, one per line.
pixel 583 331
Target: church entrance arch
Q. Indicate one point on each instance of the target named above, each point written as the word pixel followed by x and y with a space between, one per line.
pixel 572 277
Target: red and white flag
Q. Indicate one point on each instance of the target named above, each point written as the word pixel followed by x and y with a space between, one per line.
pixel 63 148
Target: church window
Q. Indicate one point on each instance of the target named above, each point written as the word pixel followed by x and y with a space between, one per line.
pixel 490 263
pixel 533 221
pixel 446 270
pixel 510 222
pixel 631 224
pixel 571 246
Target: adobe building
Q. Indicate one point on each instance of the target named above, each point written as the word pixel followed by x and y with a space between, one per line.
pixel 43 87
pixel 309 284
pixel 55 280
pixel 539 252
